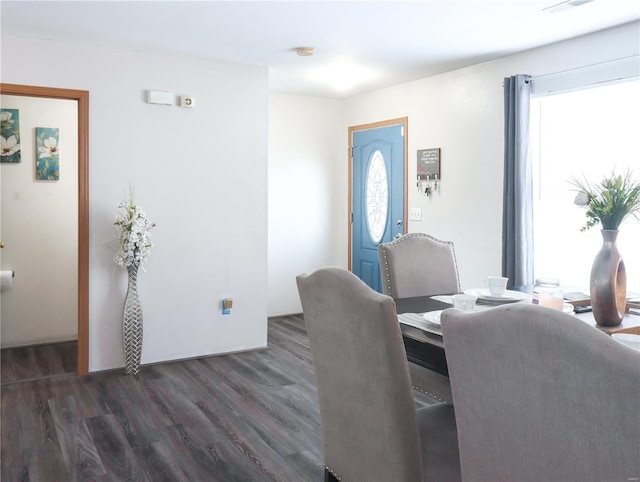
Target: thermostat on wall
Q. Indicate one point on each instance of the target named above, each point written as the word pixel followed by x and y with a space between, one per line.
pixel 158 97
pixel 187 101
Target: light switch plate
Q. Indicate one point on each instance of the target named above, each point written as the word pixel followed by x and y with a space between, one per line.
pixel 415 214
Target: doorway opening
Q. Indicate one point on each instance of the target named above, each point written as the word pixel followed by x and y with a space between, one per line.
pixel 82 99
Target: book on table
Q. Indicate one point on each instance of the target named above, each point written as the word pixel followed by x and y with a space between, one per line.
pixel 582 302
pixel 577 298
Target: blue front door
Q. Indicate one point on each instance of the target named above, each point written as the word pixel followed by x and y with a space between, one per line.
pixel 377 196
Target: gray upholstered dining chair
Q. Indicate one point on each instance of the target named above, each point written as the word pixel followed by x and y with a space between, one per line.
pixel 417 264
pixel 542 396
pixel 371 429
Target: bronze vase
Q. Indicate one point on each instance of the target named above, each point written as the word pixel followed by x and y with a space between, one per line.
pixel 608 282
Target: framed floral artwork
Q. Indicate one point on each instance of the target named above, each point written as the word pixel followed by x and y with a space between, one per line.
pixel 47 154
pixel 10 136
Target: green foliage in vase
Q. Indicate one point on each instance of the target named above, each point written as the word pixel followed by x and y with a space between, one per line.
pixel 610 201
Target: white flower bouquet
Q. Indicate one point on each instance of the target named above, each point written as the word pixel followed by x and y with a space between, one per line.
pixel 134 236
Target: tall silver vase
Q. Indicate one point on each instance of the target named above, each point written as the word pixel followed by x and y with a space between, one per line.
pixel 608 282
pixel 132 324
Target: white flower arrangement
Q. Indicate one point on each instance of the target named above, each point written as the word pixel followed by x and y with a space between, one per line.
pixel 135 238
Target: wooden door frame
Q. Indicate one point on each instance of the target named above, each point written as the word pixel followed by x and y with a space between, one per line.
pixel 404 121
pixel 82 97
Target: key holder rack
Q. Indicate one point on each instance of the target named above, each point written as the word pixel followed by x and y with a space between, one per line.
pixel 428 169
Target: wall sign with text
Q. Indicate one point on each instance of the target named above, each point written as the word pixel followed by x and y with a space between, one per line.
pixel 428 170
pixel 429 163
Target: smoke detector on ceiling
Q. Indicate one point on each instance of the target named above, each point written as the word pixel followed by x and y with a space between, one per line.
pixel 305 51
pixel 559 7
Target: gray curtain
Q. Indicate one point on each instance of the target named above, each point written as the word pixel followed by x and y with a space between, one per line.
pixel 517 214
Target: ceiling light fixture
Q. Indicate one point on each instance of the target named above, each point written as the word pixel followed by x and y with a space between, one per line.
pixel 343 74
pixel 559 7
pixel 305 51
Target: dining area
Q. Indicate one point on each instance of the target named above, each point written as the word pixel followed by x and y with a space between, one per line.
pixel 539 392
pixel 421 326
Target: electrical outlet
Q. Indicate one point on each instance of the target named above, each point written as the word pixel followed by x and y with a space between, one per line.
pixel 227 304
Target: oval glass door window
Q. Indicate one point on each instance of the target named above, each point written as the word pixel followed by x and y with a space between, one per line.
pixel 377 197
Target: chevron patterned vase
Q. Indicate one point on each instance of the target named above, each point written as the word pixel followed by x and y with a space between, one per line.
pixel 132 324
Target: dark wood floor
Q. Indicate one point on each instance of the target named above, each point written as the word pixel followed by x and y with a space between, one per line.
pixel 36 362
pixel 243 417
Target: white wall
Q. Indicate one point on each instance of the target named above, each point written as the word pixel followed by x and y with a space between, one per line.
pixel 307 209
pixel 199 173
pixel 462 113
pixel 40 230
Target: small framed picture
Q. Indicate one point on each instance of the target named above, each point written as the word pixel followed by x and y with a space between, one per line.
pixel 10 148
pixel 47 154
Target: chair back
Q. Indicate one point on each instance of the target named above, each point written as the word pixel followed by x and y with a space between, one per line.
pixel 541 395
pixel 417 264
pixel 367 409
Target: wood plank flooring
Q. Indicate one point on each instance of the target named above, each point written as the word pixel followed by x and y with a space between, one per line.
pixel 39 361
pixel 243 417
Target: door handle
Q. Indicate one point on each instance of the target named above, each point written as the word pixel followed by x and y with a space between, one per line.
pixel 399 222
pixel 1 245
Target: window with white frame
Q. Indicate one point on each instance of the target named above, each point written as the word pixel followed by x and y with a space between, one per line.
pixel 588 134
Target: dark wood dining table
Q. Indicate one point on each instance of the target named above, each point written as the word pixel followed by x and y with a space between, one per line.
pixel 426 347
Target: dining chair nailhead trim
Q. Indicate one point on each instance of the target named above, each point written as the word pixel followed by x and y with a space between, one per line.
pixel 431 395
pixel 386 269
pixel 332 472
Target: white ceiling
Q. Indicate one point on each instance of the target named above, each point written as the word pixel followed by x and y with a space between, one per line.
pixel 397 41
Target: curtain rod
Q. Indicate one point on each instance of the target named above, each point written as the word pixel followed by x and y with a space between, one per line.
pixel 623 60
pixel 590 75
